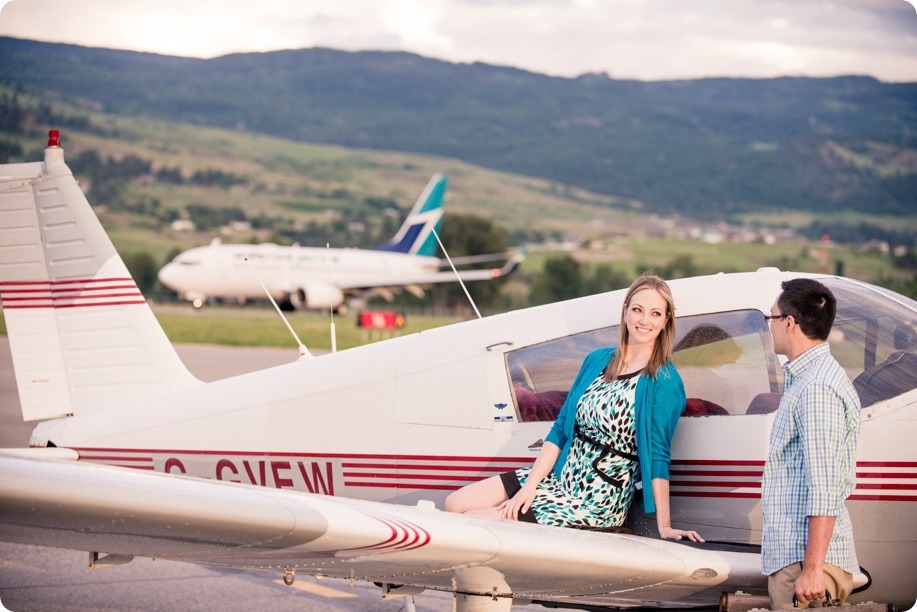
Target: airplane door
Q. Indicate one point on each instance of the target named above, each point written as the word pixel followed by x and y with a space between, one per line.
pixel 502 406
pixel 527 380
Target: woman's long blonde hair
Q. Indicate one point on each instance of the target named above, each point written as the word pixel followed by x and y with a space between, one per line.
pixel 662 351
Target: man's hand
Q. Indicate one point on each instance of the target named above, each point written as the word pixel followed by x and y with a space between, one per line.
pixel 810 586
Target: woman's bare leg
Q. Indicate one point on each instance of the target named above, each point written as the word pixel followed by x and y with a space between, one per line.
pixel 480 498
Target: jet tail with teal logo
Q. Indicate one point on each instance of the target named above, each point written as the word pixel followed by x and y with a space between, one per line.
pixel 416 234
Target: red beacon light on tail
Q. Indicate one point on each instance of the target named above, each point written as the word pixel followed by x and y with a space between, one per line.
pixel 54 154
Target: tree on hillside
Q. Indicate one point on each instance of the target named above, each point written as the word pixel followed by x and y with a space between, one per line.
pixel 681 266
pixel 561 279
pixel 143 269
pixel 469 235
pixel 606 278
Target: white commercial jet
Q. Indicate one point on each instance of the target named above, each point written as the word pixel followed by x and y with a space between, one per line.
pixel 321 278
pixel 353 452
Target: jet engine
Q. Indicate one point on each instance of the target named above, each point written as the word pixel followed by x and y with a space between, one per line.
pixel 317 296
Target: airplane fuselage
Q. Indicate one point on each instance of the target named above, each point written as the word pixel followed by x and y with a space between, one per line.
pixel 236 271
pixel 421 421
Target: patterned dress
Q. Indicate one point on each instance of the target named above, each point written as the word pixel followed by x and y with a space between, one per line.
pixel 581 497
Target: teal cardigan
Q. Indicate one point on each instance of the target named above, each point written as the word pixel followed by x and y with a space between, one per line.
pixel 660 400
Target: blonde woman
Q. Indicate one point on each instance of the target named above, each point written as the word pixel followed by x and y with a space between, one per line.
pixel 616 425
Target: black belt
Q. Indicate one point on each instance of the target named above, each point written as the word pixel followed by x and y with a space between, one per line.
pixel 607 449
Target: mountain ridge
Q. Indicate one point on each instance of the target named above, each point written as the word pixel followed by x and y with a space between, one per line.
pixel 706 148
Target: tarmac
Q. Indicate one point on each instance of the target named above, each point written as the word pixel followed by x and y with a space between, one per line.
pixel 42 579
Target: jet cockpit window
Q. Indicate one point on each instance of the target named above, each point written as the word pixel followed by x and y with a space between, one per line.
pixel 725 361
pixel 875 339
pixel 187 259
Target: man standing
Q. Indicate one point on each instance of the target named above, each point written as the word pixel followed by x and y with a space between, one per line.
pixel 807 541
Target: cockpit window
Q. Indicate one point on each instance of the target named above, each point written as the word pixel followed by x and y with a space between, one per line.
pixel 727 361
pixel 723 358
pixel 726 364
pixel 875 340
pixel 542 374
pixel 188 258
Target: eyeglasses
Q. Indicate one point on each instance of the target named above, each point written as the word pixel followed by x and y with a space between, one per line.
pixel 769 318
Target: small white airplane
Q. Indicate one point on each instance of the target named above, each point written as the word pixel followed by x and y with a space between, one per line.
pixel 354 451
pixel 321 278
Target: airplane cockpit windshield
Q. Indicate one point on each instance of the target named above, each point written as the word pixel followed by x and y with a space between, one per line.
pixel 724 358
pixel 875 339
pixel 187 259
pixel 727 361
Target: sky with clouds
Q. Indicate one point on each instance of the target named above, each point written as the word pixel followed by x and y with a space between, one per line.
pixel 634 39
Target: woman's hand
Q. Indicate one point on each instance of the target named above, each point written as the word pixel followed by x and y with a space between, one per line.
pixel 663 516
pixel 520 502
pixel 668 533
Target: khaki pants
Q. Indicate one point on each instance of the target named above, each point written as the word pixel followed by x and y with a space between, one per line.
pixel 781 586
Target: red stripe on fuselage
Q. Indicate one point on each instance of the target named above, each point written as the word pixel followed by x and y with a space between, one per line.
pixel 410 471
pixel 75 293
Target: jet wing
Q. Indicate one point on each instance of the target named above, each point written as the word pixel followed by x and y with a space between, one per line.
pixel 120 511
pixel 432 278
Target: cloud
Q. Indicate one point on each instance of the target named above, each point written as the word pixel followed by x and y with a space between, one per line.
pixel 642 39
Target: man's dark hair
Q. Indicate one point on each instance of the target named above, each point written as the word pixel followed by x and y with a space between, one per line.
pixel 811 304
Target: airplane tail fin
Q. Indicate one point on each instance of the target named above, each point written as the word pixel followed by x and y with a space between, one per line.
pixel 81 334
pixel 415 236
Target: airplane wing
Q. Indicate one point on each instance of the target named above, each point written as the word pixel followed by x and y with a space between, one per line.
pixel 465 260
pixel 124 512
pixel 443 276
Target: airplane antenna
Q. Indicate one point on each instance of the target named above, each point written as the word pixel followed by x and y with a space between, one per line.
pixel 457 276
pixel 334 341
pixel 303 351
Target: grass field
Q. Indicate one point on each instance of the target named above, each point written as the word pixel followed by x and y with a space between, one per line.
pixel 255 326
pixel 259 325
pixel 234 326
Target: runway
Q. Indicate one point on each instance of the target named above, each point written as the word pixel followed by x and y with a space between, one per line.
pixel 50 580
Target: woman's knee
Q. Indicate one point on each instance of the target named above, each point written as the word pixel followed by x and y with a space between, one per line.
pixel 482 494
pixel 453 501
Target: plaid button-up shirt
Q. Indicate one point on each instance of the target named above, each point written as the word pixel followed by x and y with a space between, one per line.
pixel 811 465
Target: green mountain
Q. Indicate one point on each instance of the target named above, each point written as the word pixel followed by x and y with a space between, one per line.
pixel 704 148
